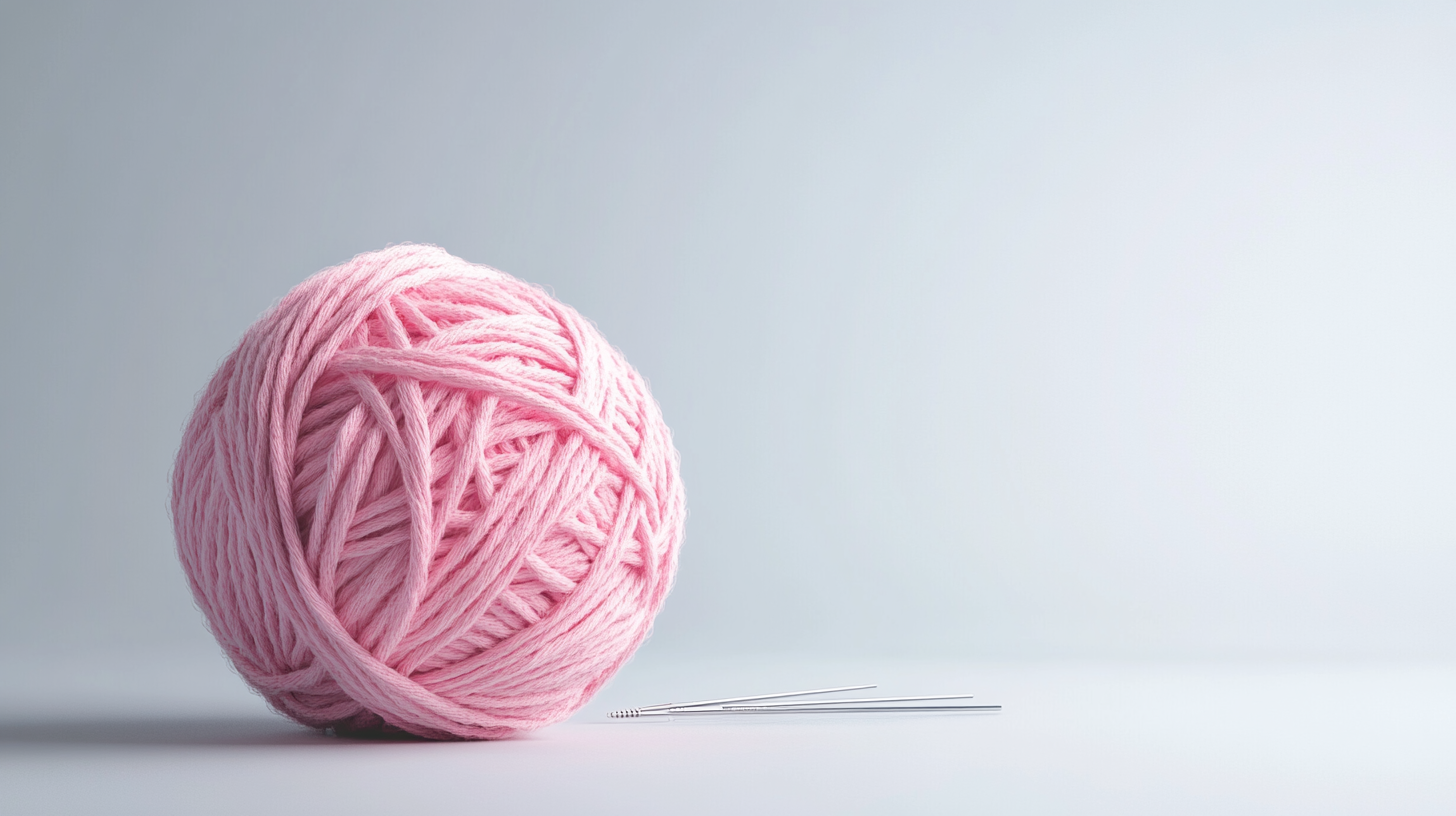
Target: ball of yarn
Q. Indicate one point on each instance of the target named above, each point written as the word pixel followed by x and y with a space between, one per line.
pixel 423 496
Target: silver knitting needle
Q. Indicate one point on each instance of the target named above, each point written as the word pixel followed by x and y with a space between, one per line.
pixel 821 709
pixel 663 707
pixel 855 701
pixel 702 703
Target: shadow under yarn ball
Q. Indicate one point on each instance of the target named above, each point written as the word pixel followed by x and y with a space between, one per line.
pixel 424 496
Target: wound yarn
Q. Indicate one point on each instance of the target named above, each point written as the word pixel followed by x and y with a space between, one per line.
pixel 423 496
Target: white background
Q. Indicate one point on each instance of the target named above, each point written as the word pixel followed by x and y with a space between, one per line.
pixel 987 332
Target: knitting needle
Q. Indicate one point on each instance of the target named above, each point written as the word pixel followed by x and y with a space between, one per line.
pixel 819 709
pixel 795 709
pixel 702 703
pixel 855 701
pixel 633 712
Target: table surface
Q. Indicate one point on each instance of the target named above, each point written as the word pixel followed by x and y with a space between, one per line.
pixel 174 735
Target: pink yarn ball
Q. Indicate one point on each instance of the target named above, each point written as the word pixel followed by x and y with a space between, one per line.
pixel 424 496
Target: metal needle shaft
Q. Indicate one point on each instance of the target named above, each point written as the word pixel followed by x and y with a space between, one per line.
pixel 822 709
pixel 659 706
pixel 854 701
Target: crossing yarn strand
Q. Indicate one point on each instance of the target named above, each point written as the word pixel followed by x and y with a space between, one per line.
pixel 423 496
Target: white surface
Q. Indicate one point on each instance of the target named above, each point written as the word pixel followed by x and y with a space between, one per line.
pixel 1074 738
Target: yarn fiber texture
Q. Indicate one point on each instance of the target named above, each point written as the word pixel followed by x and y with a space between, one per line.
pixel 424 496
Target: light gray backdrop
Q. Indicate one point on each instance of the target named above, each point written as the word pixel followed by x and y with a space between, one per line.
pixel 985 330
